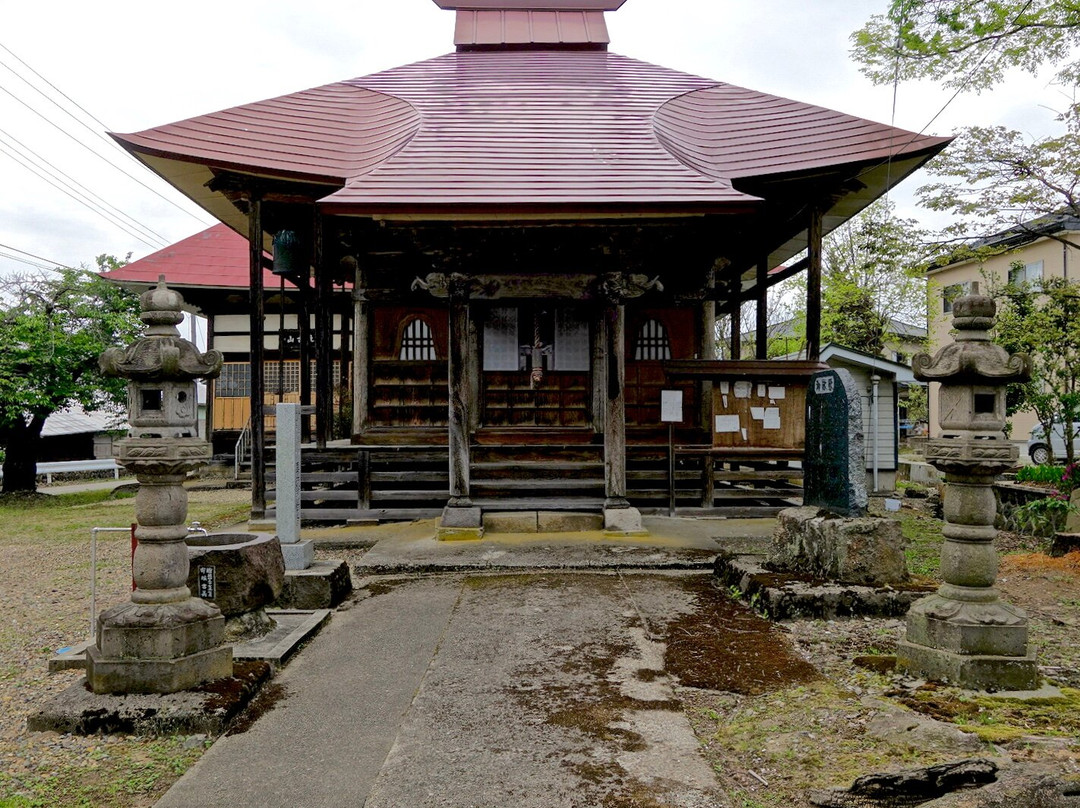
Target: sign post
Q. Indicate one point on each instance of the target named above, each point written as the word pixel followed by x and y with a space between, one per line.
pixel 671 406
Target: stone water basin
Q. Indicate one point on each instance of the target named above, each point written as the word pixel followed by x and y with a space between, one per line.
pixel 240 572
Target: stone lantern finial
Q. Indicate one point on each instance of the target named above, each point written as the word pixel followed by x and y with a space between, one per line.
pixel 964 633
pixel 163 639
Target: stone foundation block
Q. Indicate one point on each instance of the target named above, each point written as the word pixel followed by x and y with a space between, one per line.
pixel 113 675
pixel 323 585
pixel 519 522
pixel 623 521
pixel 864 550
pixel 972 671
pixel 458 516
pixel 298 555
pixel 564 522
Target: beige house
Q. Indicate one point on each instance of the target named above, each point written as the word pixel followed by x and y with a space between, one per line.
pixel 1047 247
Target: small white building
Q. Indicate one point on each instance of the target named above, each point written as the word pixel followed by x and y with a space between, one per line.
pixel 880 382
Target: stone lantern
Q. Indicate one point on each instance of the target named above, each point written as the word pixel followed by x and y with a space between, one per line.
pixel 965 634
pixel 163 639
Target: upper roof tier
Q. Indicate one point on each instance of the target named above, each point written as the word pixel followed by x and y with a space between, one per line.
pixel 529 133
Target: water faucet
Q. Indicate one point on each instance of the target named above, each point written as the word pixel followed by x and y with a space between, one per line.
pixel 195 527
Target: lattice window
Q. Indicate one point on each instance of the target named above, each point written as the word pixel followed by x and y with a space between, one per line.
pixel 234 381
pixel 652 342
pixel 417 342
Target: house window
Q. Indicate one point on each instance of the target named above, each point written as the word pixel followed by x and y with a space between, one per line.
pixel 652 342
pixel 952 292
pixel 1028 273
pixel 417 342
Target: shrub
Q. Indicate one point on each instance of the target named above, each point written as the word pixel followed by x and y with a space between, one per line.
pixel 1043 474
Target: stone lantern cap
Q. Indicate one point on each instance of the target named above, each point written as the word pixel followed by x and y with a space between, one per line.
pixel 972 358
pixel 162 354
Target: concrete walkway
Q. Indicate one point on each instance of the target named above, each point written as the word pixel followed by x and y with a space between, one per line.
pixel 534 689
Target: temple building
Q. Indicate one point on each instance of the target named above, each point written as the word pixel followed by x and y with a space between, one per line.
pixel 504 255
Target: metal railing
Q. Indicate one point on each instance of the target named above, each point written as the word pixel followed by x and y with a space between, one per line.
pixel 243 447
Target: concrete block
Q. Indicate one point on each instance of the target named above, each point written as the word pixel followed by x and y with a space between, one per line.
pixel 516 522
pixel 323 585
pixel 971 671
pixel 564 522
pixel 298 556
pixel 459 534
pixel 623 521
pixel 456 516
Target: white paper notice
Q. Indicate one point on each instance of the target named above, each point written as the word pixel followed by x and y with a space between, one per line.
pixel 744 434
pixel 742 389
pixel 724 399
pixel 757 413
pixel 727 423
pixel 725 387
pixel 761 391
pixel 772 418
pixel 671 406
pixel 777 393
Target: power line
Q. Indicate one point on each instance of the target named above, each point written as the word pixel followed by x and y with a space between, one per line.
pixel 77 186
pixel 55 184
pixel 32 255
pixel 97 154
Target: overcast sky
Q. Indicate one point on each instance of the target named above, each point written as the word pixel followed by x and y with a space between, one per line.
pixel 134 65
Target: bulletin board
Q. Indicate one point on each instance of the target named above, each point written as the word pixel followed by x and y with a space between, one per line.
pixel 755 414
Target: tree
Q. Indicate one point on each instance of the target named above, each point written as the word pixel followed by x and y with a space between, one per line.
pixel 992 178
pixel 1042 319
pixel 53 327
pixel 873 274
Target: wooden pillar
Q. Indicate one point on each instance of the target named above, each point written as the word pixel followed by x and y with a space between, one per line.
pixel 361 352
pixel 345 384
pixel 457 359
pixel 736 320
pixel 598 335
pixel 324 355
pixel 813 285
pixel 473 372
pixel 615 407
pixel 706 348
pixel 303 324
pixel 761 340
pixel 211 385
pixel 256 325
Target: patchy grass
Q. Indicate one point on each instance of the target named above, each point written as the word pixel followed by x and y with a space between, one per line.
pixel 805 737
pixel 923 533
pixel 69 517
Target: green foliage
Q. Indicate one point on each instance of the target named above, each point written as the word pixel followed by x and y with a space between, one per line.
pixel 1042 517
pixel 872 273
pixel 992 177
pixel 1042 319
pixel 917 403
pixel 53 327
pixel 1040 474
pixel 969 43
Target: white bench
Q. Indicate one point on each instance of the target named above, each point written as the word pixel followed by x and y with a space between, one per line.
pixel 68 466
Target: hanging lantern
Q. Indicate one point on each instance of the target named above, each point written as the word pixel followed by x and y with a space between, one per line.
pixel 288 253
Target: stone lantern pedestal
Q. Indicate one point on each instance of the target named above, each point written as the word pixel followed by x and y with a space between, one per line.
pixel 965 634
pixel 162 640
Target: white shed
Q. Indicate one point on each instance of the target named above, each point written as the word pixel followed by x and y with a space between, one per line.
pixel 879 381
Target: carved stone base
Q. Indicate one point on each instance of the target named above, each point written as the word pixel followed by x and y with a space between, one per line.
pixel 977 644
pixel 623 522
pixel 158 648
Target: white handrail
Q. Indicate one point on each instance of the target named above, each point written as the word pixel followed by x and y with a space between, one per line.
pixel 243 444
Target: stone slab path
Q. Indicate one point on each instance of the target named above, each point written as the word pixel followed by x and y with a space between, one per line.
pixel 475 691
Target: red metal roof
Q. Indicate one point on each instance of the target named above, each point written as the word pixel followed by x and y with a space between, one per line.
pixel 533 5
pixel 483 29
pixel 536 131
pixel 217 257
